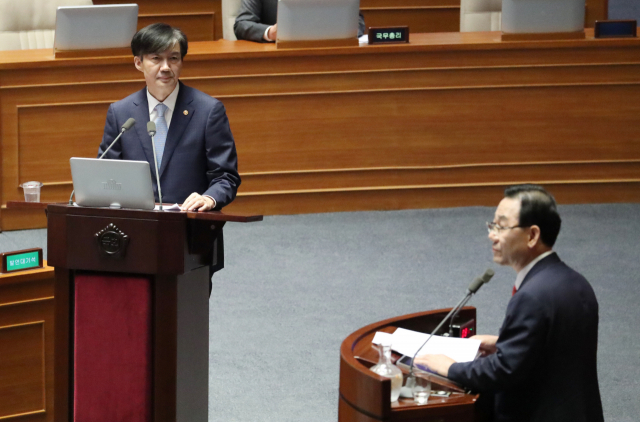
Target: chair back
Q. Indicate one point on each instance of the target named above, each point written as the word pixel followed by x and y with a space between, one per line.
pixel 480 15
pixel 27 24
pixel 230 10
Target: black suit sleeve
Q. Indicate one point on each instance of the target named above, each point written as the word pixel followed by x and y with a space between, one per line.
pixel 111 130
pixel 249 22
pixel 519 347
pixel 222 159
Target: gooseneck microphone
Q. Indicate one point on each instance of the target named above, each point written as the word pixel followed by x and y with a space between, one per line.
pixel 471 290
pixel 473 287
pixel 151 129
pixel 125 127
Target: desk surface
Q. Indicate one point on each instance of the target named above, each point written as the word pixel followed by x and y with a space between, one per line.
pixel 446 120
pixel 225 50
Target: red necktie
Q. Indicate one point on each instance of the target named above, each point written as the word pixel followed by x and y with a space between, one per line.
pixel 513 292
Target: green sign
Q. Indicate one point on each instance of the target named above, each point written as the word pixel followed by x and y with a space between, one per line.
pixel 23 261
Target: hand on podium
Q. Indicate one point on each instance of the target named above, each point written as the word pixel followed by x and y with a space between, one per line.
pixel 197 202
pixel 436 363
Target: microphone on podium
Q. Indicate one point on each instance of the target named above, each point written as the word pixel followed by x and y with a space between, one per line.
pixel 471 290
pixel 125 127
pixel 151 129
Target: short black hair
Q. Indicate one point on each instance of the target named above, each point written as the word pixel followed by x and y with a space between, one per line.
pixel 537 207
pixel 158 38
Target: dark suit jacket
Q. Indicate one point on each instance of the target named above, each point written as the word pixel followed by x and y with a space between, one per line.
pixel 257 15
pixel 545 365
pixel 199 155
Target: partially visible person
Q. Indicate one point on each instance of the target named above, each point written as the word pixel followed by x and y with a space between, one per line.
pixel 257 21
pixel 542 367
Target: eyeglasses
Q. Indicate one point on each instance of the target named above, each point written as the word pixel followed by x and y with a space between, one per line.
pixel 496 228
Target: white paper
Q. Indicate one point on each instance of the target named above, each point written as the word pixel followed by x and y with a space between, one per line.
pixel 407 342
pixel 380 336
pixel 174 207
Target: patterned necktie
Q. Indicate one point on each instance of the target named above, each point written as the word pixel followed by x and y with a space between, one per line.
pixel 161 132
pixel 513 292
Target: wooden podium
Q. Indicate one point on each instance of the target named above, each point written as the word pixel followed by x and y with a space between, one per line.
pixel 365 396
pixel 132 312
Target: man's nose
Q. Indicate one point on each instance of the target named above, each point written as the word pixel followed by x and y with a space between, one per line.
pixel 164 65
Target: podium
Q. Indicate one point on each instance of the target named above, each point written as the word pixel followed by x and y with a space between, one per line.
pixel 132 312
pixel 365 396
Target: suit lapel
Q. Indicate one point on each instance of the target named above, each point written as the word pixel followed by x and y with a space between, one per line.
pixel 141 114
pixel 179 123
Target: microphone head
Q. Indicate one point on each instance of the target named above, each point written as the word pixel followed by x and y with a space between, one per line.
pixel 151 128
pixel 128 124
pixel 478 282
pixel 487 275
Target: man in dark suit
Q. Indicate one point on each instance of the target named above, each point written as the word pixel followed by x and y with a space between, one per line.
pixel 257 21
pixel 542 366
pixel 196 153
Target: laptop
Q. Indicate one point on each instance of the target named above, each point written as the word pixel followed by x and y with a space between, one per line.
pixel 312 20
pixel 112 183
pixel 95 27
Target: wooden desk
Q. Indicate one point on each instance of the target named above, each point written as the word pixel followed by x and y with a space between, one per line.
pixel 26 345
pixel 364 395
pixel 446 120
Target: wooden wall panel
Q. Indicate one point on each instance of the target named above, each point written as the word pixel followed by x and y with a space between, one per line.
pixel 26 346
pixel 73 125
pixel 197 26
pixel 441 15
pixel 418 19
pixel 201 20
pixel 22 389
pixel 441 121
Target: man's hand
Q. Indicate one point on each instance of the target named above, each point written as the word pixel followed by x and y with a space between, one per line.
pixel 487 345
pixel 197 202
pixel 437 363
pixel 272 33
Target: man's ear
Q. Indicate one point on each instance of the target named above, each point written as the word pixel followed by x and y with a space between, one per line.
pixel 534 236
pixel 137 61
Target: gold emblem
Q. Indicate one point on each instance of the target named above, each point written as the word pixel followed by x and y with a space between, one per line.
pixel 185 112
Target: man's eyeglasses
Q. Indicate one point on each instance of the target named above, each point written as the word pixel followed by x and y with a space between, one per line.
pixel 496 228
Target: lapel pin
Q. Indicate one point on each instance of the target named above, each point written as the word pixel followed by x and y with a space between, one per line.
pixel 185 112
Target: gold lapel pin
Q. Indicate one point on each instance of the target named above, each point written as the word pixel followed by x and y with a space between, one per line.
pixel 185 112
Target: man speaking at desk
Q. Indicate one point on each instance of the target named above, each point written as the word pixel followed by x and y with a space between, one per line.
pixel 196 154
pixel 542 366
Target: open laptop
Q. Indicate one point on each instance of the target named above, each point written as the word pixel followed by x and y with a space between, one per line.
pixel 312 20
pixel 112 183
pixel 95 27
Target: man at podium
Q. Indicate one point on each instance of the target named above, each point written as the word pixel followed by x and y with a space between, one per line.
pixel 195 150
pixel 542 366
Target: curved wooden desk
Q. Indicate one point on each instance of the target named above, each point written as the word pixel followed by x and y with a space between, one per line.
pixel 364 396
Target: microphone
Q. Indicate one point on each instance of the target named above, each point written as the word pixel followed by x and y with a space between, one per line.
pixel 471 290
pixel 151 129
pixel 125 127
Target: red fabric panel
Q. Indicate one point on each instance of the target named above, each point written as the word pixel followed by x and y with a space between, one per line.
pixel 112 353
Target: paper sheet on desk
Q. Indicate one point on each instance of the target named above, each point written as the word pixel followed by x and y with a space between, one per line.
pixel 407 342
pixel 174 207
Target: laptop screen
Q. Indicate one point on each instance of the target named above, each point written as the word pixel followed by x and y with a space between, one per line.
pixel 95 27
pixel 112 183
pixel 310 20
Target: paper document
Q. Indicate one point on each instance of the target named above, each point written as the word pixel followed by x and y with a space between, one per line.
pixel 407 342
pixel 174 207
